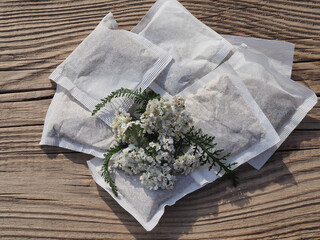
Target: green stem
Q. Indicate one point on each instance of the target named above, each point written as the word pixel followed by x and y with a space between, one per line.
pixel 216 160
pixel 227 170
pixel 105 167
pixel 138 96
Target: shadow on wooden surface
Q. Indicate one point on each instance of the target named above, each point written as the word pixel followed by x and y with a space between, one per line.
pixel 76 157
pixel 180 219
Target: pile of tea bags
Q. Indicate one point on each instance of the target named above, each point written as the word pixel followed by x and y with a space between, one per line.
pixel 237 89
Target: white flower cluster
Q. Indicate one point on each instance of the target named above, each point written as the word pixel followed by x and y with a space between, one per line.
pixel 186 163
pixel 120 125
pixel 166 117
pixel 156 161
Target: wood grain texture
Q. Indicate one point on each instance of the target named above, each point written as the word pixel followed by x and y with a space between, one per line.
pixel 48 193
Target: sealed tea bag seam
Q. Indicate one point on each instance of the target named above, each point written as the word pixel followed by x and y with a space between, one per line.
pixel 65 143
pixel 67 84
pixel 293 121
pixel 90 103
pixel 61 141
pixel 107 113
pixel 53 105
pixel 202 175
pixel 285 131
pixel 107 20
pixel 124 103
pixel 95 165
pixel 148 78
pixel 81 96
pixel 154 10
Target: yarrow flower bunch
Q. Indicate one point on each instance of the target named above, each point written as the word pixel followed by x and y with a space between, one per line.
pixel 158 144
pixel 164 122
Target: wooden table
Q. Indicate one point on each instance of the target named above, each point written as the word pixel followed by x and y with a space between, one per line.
pixel 48 193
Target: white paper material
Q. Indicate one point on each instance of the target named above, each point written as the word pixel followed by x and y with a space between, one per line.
pixel 280 53
pixel 284 101
pixel 107 60
pixel 196 48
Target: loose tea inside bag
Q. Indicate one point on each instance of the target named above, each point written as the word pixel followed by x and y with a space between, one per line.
pixel 222 106
pixel 196 49
pixel 219 104
pixel 146 206
pixel 107 60
pixel 70 125
pixel 284 102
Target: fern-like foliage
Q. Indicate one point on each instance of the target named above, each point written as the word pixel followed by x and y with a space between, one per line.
pixel 105 167
pixel 138 96
pixel 204 143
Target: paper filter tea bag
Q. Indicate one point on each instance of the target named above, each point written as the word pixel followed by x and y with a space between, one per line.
pixel 284 102
pixel 107 60
pixel 196 49
pixel 222 106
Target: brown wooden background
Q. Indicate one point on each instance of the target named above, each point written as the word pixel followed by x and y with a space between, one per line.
pixel 48 193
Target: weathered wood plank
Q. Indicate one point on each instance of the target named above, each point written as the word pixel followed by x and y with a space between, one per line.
pixel 67 204
pixel 23 113
pixel 49 36
pixel 25 140
pixel 33 112
pixel 14 81
pixel 48 192
pixel 312 120
pixel 27 96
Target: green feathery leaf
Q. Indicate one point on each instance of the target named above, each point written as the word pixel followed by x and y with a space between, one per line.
pixel 211 156
pixel 105 167
pixel 138 96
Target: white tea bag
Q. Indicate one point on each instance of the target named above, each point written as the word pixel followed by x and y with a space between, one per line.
pixel 70 125
pixel 196 49
pixel 107 60
pixel 221 105
pixel 283 101
pixel 280 53
pixel 146 206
